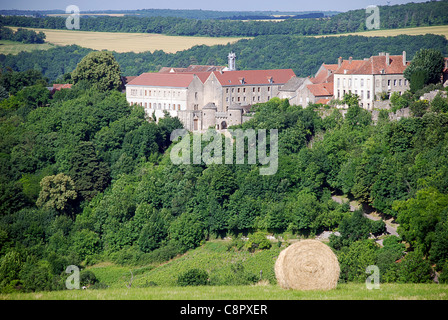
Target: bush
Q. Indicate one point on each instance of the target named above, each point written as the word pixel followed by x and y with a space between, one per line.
pixel 258 241
pixel 193 277
pixel 414 268
pixel 87 278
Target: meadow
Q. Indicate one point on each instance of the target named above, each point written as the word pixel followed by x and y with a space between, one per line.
pixel 128 42
pixel 13 47
pixel 438 30
pixel 158 282
pixel 348 291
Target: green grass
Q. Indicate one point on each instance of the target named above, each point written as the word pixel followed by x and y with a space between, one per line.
pixel 350 291
pixel 14 47
pixel 214 257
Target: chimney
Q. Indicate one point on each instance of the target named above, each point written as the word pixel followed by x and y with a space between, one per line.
pixel 404 58
pixel 387 59
pixel 350 60
pixel 339 61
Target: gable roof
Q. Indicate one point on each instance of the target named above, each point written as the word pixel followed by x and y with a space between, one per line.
pixel 325 73
pixel 293 84
pixel 321 89
pixel 373 65
pixel 379 65
pixel 254 77
pixel 155 79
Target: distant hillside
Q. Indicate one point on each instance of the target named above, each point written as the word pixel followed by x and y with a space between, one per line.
pixel 177 13
pixel 398 16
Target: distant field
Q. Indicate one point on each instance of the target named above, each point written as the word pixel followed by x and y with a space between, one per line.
pixel 13 47
pixel 440 30
pixel 128 42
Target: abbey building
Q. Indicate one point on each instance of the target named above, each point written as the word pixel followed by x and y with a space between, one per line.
pixel 217 96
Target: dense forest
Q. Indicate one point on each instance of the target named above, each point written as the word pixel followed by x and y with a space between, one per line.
pixel 87 178
pixel 303 54
pixel 391 17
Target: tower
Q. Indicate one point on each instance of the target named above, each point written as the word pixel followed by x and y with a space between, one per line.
pixel 232 65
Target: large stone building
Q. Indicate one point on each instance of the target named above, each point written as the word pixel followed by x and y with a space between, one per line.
pixel 205 96
pixel 370 78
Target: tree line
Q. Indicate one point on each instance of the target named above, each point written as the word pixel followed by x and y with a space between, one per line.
pixel 22 35
pixel 302 54
pixel 391 17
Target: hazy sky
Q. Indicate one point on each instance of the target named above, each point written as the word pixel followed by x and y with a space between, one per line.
pixel 226 5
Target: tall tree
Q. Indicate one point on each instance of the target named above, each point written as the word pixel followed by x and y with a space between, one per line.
pixel 90 174
pixel 98 68
pixel 426 67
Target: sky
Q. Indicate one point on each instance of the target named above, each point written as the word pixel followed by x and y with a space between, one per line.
pixel 226 5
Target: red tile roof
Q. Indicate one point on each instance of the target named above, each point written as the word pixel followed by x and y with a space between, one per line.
pixel 254 77
pixel 59 86
pixel 155 79
pixel 373 65
pixel 321 89
pixel 325 73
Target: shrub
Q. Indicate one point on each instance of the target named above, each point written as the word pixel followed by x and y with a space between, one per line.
pixel 258 241
pixel 415 269
pixel 193 277
pixel 87 278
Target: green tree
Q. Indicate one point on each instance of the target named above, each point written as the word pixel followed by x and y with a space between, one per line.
pixel 57 192
pixel 99 68
pixel 419 216
pixel 429 61
pixel 90 174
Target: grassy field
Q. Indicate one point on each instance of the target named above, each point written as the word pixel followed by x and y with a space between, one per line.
pixel 440 30
pixel 127 42
pixel 349 291
pixel 13 47
pixel 158 282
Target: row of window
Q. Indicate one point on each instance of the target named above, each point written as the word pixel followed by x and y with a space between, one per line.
pixel 158 106
pixel 155 93
pixel 394 82
pixel 243 90
pixel 361 95
pixel 243 99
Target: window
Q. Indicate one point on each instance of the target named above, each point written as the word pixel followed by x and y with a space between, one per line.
pixel 145 92
pixel 149 92
pixel 362 82
pixel 238 90
pixel 227 90
pixel 395 82
pixel 258 89
pixel 399 83
pixel 238 99
pixel 339 82
pixel 368 94
pixel 269 89
pixel 178 107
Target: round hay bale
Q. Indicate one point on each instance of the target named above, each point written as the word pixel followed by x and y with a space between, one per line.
pixel 307 265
